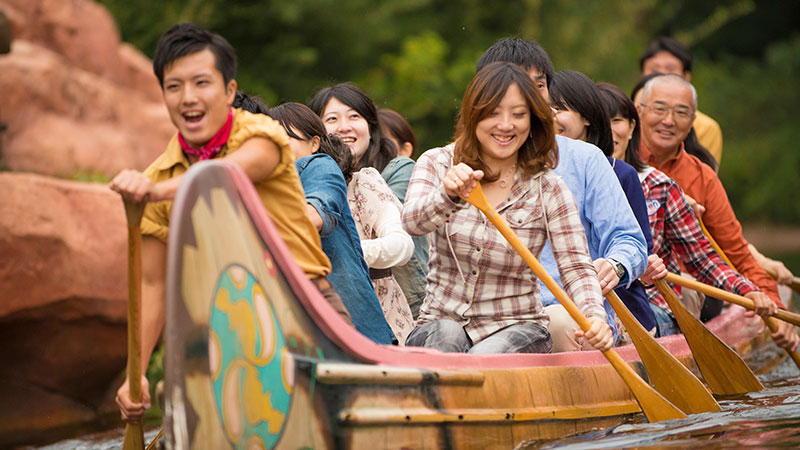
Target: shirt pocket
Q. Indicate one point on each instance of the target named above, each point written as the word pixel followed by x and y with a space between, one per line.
pixel 526 221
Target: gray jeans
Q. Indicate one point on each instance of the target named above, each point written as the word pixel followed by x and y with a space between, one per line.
pixel 447 335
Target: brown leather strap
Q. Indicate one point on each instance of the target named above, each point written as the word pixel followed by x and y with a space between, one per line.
pixel 377 274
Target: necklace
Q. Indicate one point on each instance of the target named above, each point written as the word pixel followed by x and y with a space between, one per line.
pixel 504 179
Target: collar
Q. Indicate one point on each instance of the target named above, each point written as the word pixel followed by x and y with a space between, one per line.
pixel 650 159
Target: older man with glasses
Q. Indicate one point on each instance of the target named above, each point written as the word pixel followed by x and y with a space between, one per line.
pixel 667 109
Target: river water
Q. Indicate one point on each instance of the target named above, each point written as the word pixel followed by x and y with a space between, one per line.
pixel 766 419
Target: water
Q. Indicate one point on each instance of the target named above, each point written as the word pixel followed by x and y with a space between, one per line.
pixel 766 419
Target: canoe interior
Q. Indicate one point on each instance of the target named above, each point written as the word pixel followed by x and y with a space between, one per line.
pixel 256 358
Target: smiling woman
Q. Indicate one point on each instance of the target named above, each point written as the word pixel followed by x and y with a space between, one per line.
pixel 481 297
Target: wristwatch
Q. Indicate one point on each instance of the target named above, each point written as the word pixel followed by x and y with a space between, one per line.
pixel 618 268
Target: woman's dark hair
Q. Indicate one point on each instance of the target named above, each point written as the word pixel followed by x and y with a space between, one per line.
pixel 618 104
pixel 484 93
pixel 575 90
pixel 250 103
pixel 394 124
pixel 380 150
pixel 690 144
pixel 186 39
pixel 693 147
pixel 302 124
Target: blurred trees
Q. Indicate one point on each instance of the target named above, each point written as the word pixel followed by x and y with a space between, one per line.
pixel 417 56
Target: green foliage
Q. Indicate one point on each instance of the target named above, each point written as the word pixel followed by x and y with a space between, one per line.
pixel 90 177
pixel 417 57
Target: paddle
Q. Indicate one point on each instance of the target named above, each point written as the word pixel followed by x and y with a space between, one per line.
pixel 670 378
pixel 134 434
pixel 794 284
pixel 655 407
pixel 723 369
pixel 786 316
pixel 782 314
pixel 773 327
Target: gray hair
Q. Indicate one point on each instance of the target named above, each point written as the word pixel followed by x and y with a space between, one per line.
pixel 668 78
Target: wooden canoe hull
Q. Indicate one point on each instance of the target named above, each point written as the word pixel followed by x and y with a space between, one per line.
pixel 256 358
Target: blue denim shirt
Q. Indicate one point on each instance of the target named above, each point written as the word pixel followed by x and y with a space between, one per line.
pixel 611 228
pixel 325 189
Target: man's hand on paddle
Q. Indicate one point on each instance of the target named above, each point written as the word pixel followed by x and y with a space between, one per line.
pixel 786 336
pixel 765 307
pixel 606 275
pixel 136 187
pixel 599 335
pixel 131 411
pixel 460 180
pixel 656 270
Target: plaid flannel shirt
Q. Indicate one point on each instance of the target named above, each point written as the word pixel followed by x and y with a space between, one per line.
pixel 476 278
pixel 677 235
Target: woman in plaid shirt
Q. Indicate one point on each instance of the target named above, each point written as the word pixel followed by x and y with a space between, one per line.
pixel 481 297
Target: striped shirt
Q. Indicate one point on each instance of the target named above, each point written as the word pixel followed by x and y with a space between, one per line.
pixel 677 236
pixel 476 278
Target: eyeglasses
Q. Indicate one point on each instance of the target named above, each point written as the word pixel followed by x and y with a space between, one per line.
pixel 680 113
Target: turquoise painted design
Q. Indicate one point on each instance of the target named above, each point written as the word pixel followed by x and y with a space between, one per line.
pixel 252 372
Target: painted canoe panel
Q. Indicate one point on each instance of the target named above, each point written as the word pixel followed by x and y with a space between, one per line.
pixel 256 357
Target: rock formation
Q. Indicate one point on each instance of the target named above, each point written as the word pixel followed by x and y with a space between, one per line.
pixel 74 102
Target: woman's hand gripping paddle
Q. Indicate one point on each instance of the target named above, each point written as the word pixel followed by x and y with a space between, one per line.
pixel 134 437
pixel 655 407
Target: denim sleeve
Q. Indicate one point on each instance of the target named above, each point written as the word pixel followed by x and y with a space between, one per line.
pixel 614 227
pixel 325 189
pixel 397 175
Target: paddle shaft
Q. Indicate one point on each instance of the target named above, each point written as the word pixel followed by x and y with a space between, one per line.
pixel 794 284
pixel 792 353
pixel 134 433
pixel 694 285
pixel 654 406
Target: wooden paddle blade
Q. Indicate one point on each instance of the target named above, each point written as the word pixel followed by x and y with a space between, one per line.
pixel 670 378
pixel 654 406
pixel 134 437
pixel 723 369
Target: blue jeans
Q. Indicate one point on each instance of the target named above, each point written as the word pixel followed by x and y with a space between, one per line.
pixel 447 335
pixel 411 278
pixel 665 323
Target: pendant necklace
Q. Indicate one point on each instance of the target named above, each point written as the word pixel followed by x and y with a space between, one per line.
pixel 504 181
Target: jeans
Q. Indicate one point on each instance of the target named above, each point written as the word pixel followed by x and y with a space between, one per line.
pixel 447 335
pixel 665 323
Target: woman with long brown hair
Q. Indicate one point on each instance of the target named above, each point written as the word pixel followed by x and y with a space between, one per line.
pixel 481 297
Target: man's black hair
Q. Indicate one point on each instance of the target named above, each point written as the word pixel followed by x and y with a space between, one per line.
pixel 670 45
pixel 187 38
pixel 525 53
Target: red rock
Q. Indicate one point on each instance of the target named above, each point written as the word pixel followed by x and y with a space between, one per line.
pixel 64 282
pixel 63 120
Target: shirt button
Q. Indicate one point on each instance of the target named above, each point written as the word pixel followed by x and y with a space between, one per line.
pixel 477 249
pixel 474 272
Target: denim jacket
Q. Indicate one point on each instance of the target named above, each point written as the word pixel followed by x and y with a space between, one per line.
pixel 325 190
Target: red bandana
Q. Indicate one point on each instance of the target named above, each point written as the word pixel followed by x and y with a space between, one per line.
pixel 213 146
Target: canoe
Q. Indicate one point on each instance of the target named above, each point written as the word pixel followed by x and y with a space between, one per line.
pixel 255 357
